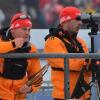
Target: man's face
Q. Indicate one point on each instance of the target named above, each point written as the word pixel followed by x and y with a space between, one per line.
pixel 72 25
pixel 21 33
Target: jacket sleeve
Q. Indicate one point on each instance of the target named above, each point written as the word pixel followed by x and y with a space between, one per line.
pixel 6 46
pixel 56 46
pixel 34 67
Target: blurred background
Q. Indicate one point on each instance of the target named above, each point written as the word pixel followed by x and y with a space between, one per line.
pixel 44 13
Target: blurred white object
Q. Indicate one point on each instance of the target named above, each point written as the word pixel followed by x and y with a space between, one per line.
pixel 2 17
pixel 97 42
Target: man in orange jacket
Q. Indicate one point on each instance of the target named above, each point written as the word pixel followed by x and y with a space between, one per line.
pixel 15 72
pixel 63 39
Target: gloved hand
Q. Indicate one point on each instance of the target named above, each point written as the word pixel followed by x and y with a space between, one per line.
pixel 25 89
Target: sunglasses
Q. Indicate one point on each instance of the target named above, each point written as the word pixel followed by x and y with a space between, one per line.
pixel 78 18
pixel 22 17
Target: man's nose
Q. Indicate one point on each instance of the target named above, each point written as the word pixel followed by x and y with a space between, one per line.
pixel 27 32
pixel 80 22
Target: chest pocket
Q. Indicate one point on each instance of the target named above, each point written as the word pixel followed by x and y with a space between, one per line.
pixel 15 68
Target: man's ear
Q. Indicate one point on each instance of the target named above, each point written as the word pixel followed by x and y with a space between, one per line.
pixel 12 31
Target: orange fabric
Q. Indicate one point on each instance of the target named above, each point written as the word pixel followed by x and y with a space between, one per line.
pixel 55 45
pixel 5 46
pixel 9 87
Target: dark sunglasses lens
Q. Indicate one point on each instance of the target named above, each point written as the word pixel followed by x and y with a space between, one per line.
pixel 78 18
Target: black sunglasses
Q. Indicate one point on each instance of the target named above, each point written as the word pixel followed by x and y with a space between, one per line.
pixel 78 18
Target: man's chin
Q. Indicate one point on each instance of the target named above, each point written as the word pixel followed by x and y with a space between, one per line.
pixel 77 30
pixel 26 39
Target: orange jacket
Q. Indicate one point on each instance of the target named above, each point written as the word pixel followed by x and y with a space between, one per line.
pixel 9 87
pixel 55 45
